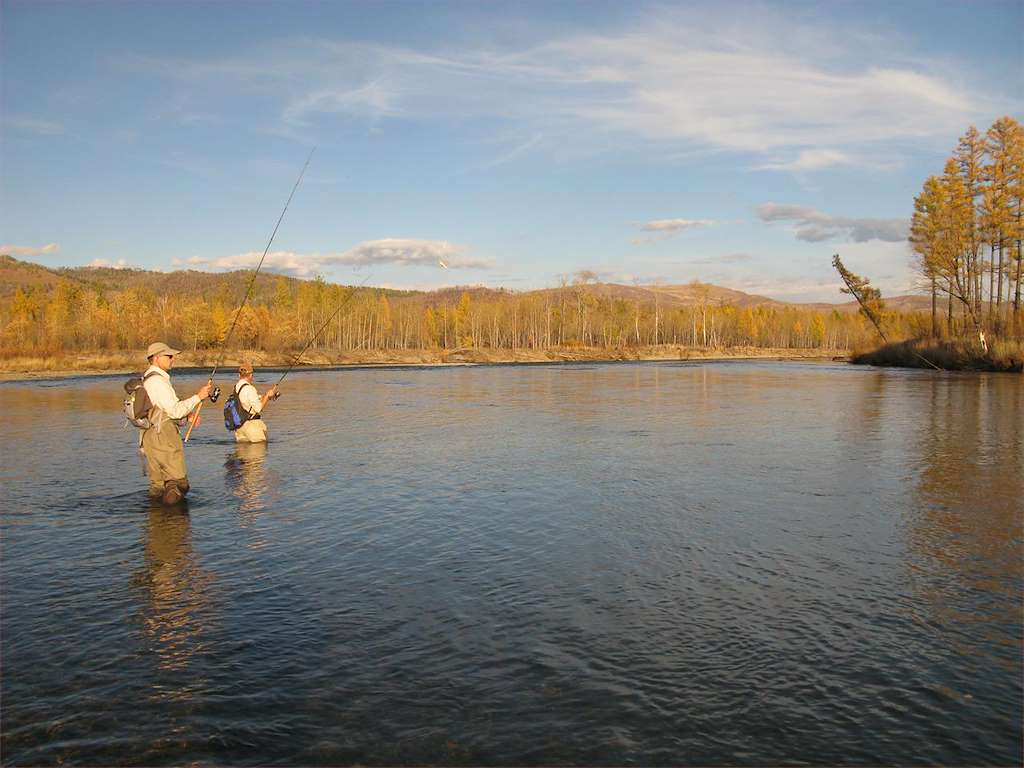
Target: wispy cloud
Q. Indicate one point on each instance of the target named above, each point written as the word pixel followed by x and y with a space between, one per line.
pixel 725 258
pixel 666 228
pixel 526 146
pixel 794 290
pixel 674 225
pixel 814 226
pixel 373 98
pixel 388 251
pixel 809 160
pixel 29 250
pixel 33 125
pixel 795 92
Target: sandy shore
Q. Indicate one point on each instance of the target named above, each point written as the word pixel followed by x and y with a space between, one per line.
pixel 19 369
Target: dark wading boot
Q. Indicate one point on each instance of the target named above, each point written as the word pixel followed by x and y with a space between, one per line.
pixel 174 491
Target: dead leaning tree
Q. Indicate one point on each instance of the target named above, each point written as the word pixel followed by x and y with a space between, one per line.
pixel 870 300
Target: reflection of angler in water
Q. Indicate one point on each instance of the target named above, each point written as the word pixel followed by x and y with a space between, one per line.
pixel 174 585
pixel 246 476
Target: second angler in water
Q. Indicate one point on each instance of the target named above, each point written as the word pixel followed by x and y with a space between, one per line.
pixel 254 430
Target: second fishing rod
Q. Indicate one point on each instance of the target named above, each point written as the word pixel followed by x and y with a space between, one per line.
pixel 245 299
pixel 337 310
pixel 298 356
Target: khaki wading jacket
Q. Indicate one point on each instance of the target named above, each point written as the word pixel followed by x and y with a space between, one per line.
pixel 166 404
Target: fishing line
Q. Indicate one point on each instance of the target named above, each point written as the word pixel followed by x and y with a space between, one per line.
pixel 223 345
pixel 341 305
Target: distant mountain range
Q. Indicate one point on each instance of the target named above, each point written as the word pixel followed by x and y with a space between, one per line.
pixel 15 273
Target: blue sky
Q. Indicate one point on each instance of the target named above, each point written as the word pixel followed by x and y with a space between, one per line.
pixel 735 143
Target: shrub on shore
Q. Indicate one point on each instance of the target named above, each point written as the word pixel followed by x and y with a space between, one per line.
pixel 950 355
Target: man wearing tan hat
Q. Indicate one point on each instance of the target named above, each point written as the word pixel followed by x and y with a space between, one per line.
pixel 254 430
pixel 165 453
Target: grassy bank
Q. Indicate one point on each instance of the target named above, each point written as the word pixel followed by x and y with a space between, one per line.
pixel 119 362
pixel 949 355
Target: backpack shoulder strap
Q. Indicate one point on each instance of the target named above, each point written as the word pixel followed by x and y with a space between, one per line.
pixel 238 392
pixel 147 400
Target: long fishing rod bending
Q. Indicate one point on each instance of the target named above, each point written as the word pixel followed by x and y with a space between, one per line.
pixel 245 299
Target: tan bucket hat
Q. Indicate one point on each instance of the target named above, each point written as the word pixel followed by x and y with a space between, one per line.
pixel 159 348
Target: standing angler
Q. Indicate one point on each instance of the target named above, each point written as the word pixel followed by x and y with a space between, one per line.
pixel 161 442
pixel 254 430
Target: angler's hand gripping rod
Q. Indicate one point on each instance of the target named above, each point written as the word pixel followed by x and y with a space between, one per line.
pixel 245 299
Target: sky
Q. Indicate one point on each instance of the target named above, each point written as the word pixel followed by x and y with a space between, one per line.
pixel 517 143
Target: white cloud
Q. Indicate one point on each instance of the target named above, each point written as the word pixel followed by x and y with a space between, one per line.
pixel 29 250
pixel 284 262
pixel 666 228
pixel 394 251
pixel 762 83
pixel 886 264
pixel 814 226
pixel 810 160
pixel 372 98
pixel 674 225
pixel 106 263
pixel 793 290
pixel 407 252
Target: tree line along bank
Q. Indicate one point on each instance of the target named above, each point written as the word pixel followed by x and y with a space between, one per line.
pixel 75 317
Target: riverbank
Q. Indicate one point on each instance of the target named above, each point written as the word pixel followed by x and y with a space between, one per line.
pixel 949 355
pixel 85 364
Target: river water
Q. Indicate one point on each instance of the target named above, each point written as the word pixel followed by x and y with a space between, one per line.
pixel 655 563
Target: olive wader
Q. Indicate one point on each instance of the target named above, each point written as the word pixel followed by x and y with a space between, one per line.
pixel 165 460
pixel 253 431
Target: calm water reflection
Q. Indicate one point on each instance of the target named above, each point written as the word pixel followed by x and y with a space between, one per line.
pixel 740 563
pixel 174 589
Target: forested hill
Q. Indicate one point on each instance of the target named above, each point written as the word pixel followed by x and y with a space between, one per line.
pixel 49 312
pixel 228 287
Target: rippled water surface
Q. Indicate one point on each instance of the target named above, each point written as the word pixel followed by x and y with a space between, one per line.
pixel 720 563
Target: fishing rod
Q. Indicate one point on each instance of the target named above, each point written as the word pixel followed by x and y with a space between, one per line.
pixel 223 345
pixel 341 305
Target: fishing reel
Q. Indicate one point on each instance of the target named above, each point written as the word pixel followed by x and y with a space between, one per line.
pixel 215 394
